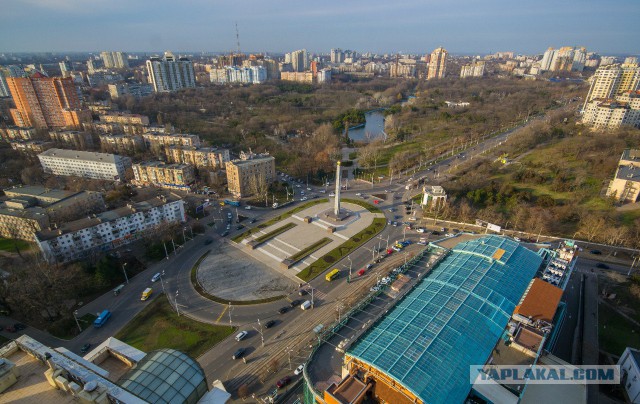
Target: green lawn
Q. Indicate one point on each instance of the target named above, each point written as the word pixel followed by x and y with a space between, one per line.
pixel 158 326
pixel 616 333
pixel 7 244
pixel 313 247
pixel 322 264
pixel 368 206
pixel 275 232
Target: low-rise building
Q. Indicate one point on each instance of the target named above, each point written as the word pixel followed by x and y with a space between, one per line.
pixel 155 140
pixel 135 90
pixel 32 208
pixel 160 174
pixel 301 77
pixel 245 176
pixel 31 147
pixel 475 69
pixel 625 186
pixel 125 118
pixel 201 157
pixel 17 133
pixel 72 139
pixel 630 373
pixel 105 231
pixel 124 144
pixel 100 166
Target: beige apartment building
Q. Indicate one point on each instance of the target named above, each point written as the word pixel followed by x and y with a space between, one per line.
pixel 300 77
pixel 17 133
pixel 611 113
pixel 250 168
pixel 72 139
pixel 125 119
pixel 437 64
pixel 159 140
pixel 121 144
pixel 31 146
pixel 163 175
pixel 613 80
pixel 201 157
pixel 625 186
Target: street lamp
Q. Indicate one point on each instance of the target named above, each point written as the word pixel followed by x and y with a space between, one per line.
pixel 75 314
pixel 350 264
pixel 125 272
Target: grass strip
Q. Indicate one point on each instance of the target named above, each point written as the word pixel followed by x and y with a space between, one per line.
pixel 275 232
pixel 276 219
pixel 158 326
pixel 365 205
pixel 309 250
pixel 343 250
pixel 207 295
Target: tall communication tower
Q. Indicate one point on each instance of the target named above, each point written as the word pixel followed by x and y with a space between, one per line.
pixel 238 37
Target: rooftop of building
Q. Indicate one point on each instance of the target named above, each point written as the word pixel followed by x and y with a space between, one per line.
pixel 631 155
pixel 452 319
pixel 81 155
pixel 151 132
pixel 38 191
pixel 162 164
pixel 628 173
pixel 111 215
pixel 34 212
pixel 540 301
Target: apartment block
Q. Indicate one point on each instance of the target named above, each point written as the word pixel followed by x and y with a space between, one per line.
pixel 324 76
pixel 612 113
pixel 437 64
pixel 234 74
pixel 100 166
pixel 169 73
pixel 118 90
pixel 105 231
pixel 121 144
pixel 72 139
pixel 111 128
pixel 44 102
pixel 114 60
pixel 17 133
pixel 31 147
pixel 402 70
pixel 250 170
pixel 612 80
pixel 301 77
pixel 124 118
pixel 625 186
pixel 475 69
pixel 201 157
pixel 31 208
pixel 158 140
pixel 160 174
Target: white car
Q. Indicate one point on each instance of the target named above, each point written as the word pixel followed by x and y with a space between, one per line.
pixel 374 288
pixel 298 370
pixel 241 335
pixel 322 191
pixel 420 230
pixel 385 280
pixel 304 198
pixel 332 194
pixel 298 186
pixel 358 193
pixel 155 277
pixel 247 207
pixel 308 189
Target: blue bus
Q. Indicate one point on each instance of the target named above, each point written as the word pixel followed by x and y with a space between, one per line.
pixel 230 202
pixel 102 318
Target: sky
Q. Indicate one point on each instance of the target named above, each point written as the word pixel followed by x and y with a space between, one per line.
pixel 379 26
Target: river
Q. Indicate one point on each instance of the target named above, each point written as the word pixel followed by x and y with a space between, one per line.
pixel 373 128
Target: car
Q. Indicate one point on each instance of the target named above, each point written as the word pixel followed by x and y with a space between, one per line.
pixel 156 277
pixel 304 198
pixel 225 233
pixel 85 348
pixel 283 382
pixel 269 324
pixel 298 370
pixel 247 207
pixel 602 266
pixel 322 191
pixel 361 272
pixel 229 215
pixel 19 326
pixel 374 288
pixel 283 310
pixel 302 292
pixel 228 226
pixel 389 251
pixel 596 252
pixel 358 194
pixel 392 210
pixel 420 230
pixel 239 353
pixel 435 233
pixel 239 227
pixel 406 242
pixel 442 229
pixel 332 195
pixel 389 222
pixel 241 335
pixel 308 189
pixel 369 266
pixel 301 192
pixel 396 248
pixel 298 186
pixel 252 220
pixel 208 241
pixel 294 303
pixel 395 224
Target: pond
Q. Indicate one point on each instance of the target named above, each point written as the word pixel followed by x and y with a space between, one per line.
pixel 373 128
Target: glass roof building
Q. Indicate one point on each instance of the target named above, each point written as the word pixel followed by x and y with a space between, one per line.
pixel 166 376
pixel 449 321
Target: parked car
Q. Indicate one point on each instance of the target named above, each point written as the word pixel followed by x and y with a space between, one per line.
pixel 283 310
pixel 19 326
pixel 283 382
pixel 156 277
pixel 239 353
pixel 374 288
pixel 269 324
pixel 294 303
pixel 252 220
pixel 239 227
pixel 85 348
pixel 225 233
pixel 602 266
pixel 247 207
pixel 298 370
pixel 369 266
pixel 596 252
pixel 302 292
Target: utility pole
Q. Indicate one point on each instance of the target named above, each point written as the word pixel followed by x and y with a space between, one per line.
pixel 162 282
pixel 350 264
pixel 166 253
pixel 174 247
pixel 312 297
pixel 125 272
pixel 632 265
pixel 229 313
pixel 75 314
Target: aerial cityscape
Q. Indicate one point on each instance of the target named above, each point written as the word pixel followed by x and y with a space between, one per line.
pixel 323 204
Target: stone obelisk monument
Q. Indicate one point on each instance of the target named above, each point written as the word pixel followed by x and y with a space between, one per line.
pixel 336 208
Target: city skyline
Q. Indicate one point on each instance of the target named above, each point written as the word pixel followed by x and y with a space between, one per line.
pixel 417 26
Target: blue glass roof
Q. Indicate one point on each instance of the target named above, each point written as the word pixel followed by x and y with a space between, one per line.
pixel 451 320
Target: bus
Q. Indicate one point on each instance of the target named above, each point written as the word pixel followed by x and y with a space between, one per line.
pixel 102 318
pixel 332 275
pixel 231 202
pixel 146 293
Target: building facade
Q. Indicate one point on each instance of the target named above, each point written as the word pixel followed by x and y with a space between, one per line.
pixel 201 157
pixel 72 139
pixel 475 69
pixel 301 77
pixel 249 172
pixel 115 60
pixel 31 147
pixel 612 80
pixel 108 230
pixel 163 175
pixel 17 133
pixel 625 185
pixel 43 102
pixel 121 144
pixel 169 73
pixel 125 119
pixel 159 140
pixel 100 166
pixel 630 373
pixel 437 64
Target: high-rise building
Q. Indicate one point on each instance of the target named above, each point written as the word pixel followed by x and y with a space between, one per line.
pixel 4 87
pixel 567 58
pixel 114 60
pixel 337 56
pixel 65 67
pixel 93 65
pixel 612 80
pixel 163 175
pixel 170 73
pixel 475 69
pixel 44 102
pixel 300 60
pixel 437 64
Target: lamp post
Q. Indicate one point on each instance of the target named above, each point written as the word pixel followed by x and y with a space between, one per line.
pixel 632 265
pixel 75 314
pixel 350 264
pixel 125 272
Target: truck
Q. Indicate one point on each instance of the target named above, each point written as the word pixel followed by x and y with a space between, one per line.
pixel 102 318
pixel 231 202
pixel 146 293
